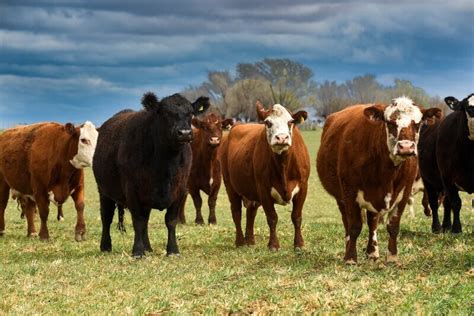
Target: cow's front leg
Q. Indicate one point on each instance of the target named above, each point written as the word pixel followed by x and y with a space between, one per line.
pixel 354 226
pixel 393 228
pixel 171 219
pixel 297 216
pixel 272 220
pixel 42 201
pixel 78 198
pixel 372 250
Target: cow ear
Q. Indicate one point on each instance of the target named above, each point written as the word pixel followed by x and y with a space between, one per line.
pixel 375 112
pixel 262 114
pixel 201 105
pixel 299 117
pixel 227 123
pixel 150 101
pixel 453 103
pixel 70 128
pixel 197 123
pixel 431 115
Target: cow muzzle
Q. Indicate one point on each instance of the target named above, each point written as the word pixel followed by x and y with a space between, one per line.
pixel 214 141
pixel 185 135
pixel 406 148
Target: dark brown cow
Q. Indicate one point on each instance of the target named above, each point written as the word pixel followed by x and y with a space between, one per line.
pixel 206 169
pixel 264 165
pixel 41 163
pixel 367 162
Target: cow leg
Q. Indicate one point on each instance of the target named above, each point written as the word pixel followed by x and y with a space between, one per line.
pixel 182 213
pixel 341 206
pixel 296 217
pixel 411 208
pixel 393 228
pixel 212 204
pixel 146 239
pixel 171 219
pixel 60 213
pixel 30 211
pixel 446 227
pixel 272 220
pixel 372 250
pixel 121 213
pixel 456 203
pixel 4 195
pixel 197 200
pixel 107 208
pixel 42 201
pixel 426 206
pixel 236 209
pixel 249 225
pixel 78 198
pixel 139 225
pixel 354 225
pixel 434 204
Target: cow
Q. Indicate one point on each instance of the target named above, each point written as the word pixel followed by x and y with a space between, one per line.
pixel 366 161
pixel 205 169
pixel 446 164
pixel 264 164
pixel 418 187
pixel 43 163
pixel 142 161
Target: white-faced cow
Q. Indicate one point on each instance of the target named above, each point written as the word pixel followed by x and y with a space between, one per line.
pixel 42 163
pixel 367 162
pixel 142 161
pixel 446 161
pixel 264 164
pixel 206 169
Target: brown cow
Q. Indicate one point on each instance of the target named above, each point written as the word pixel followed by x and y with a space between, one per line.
pixel 206 169
pixel 264 165
pixel 43 162
pixel 367 162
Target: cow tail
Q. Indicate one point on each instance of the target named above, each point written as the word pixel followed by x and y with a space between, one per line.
pixel 120 224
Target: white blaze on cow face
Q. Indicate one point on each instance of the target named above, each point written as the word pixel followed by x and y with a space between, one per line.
pixel 401 114
pixel 86 147
pixel 279 127
pixel 470 119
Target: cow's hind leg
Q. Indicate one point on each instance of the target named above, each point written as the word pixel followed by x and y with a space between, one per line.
pixel 78 198
pixel 272 221
pixel 434 204
pixel 42 201
pixel 452 194
pixel 297 215
pixel 446 227
pixel 121 214
pixel 29 207
pixel 146 239
pixel 171 219
pixel 236 209
pixel 249 225
pixel 181 211
pixel 107 209
pixel 211 202
pixel 197 200
pixel 393 228
pixel 354 226
pixel 4 195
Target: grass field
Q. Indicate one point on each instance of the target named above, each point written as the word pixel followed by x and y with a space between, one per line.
pixel 435 274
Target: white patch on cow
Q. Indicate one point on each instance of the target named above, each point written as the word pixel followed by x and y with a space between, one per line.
pixel 279 118
pixel 211 182
pixel 470 125
pixel 277 197
pixel 86 147
pixel 295 191
pixel 374 254
pixel 374 237
pixel 387 199
pixel 363 204
pixel 348 238
pixel 470 101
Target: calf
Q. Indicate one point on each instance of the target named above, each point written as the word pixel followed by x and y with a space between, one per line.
pixel 205 169
pixel 42 163
pixel 142 161
pixel 367 162
pixel 264 164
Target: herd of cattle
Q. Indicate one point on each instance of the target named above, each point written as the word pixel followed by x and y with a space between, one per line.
pixel 370 160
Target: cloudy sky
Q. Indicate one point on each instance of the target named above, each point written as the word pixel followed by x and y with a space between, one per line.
pixel 72 60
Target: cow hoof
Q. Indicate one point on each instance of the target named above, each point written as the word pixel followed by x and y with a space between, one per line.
pixel 80 237
pixel 60 219
pixel 456 231
pixel 392 258
pixel 436 230
pixel 446 229
pixel 32 235
pixel 173 254
pixel 199 222
pixel 137 256
pixel 351 262
pixel 273 249
pixel 106 248
pixel 212 222
pixel 373 256
pixel 298 250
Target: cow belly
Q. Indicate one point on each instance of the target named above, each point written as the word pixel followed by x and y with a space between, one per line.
pixel 390 203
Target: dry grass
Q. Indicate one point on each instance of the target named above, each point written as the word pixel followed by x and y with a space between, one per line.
pixel 212 276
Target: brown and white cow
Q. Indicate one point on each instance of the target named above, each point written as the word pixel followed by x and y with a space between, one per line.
pixel 264 164
pixel 367 162
pixel 206 169
pixel 42 163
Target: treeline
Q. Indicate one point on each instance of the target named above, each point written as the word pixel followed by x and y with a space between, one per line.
pixel 292 84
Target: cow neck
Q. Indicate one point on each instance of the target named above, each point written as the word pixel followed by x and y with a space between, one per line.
pixel 383 165
pixel 67 169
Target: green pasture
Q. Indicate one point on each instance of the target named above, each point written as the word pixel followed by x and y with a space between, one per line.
pixel 435 273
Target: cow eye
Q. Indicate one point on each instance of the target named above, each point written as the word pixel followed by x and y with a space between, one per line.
pixel 268 124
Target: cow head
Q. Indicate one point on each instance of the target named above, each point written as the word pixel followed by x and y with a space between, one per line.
pixel 173 115
pixel 466 105
pixel 402 121
pixel 86 146
pixel 211 126
pixel 279 124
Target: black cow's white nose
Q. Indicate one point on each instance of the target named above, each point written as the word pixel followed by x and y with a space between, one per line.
pixel 184 135
pixel 184 132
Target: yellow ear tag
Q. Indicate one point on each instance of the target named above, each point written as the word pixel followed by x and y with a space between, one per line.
pixel 301 120
pixel 201 108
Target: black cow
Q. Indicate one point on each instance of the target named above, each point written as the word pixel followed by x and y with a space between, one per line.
pixel 142 161
pixel 446 151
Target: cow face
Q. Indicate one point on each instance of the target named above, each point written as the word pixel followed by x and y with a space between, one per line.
pixel 402 121
pixel 211 126
pixel 174 114
pixel 466 105
pixel 279 125
pixel 86 146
